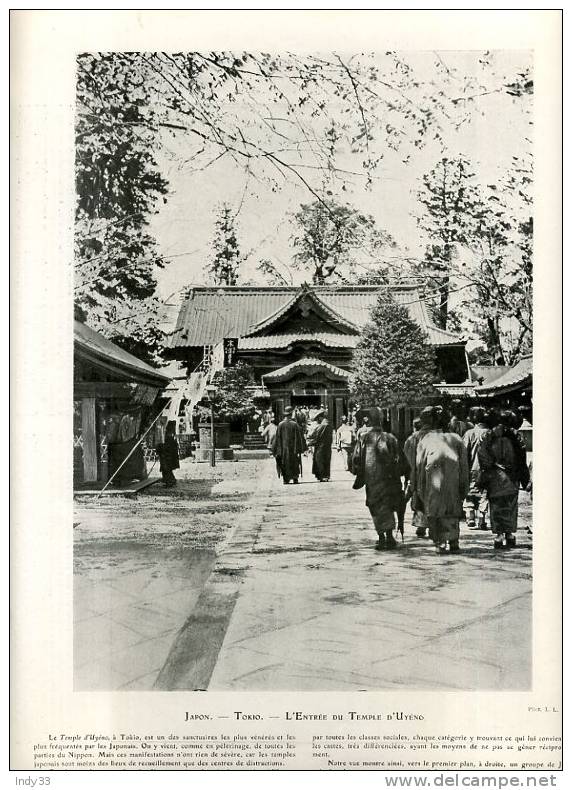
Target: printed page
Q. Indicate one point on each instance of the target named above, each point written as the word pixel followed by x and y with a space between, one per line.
pixel 285 495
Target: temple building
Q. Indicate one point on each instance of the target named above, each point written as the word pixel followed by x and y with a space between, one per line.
pixel 300 340
pixel 115 394
pixel 511 388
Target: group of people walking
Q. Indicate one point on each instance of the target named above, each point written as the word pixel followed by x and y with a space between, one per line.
pixel 448 468
pixel 294 437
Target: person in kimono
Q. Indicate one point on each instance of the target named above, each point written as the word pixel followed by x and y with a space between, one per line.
pixel 168 453
pixel 410 451
pixel 503 470
pixel 320 439
pixel 289 444
pixel 379 465
pixel 476 503
pixel 364 427
pixel 300 417
pixel 441 482
pixel 458 424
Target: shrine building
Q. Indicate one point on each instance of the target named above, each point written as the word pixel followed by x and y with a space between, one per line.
pixel 300 340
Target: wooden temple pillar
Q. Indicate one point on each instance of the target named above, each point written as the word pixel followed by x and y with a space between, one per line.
pixel 89 434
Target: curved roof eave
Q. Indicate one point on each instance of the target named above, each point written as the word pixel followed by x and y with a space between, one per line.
pixel 304 291
pixel 306 362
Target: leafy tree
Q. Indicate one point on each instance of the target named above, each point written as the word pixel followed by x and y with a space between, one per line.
pixel 501 270
pixel 273 114
pixel 394 270
pixel 118 186
pixel 491 226
pixel 451 200
pixel 392 363
pixel 482 243
pixel 274 275
pixel 330 239
pixel 233 397
pixel 269 115
pixel 225 266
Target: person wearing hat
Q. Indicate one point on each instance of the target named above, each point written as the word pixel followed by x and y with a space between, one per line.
pixel 289 444
pixel 441 481
pixel 379 465
pixel 320 439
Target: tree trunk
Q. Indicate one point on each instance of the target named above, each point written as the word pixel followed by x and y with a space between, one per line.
pixel 494 343
pixel 444 287
pixel 444 302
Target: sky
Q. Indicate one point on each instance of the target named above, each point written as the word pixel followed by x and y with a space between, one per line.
pixel 184 224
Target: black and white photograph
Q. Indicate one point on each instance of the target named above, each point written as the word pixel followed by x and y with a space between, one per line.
pixel 284 496
pixel 303 397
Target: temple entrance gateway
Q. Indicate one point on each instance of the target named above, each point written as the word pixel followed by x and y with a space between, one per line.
pixel 309 382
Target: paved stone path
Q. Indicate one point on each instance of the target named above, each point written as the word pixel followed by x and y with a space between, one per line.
pixel 128 609
pixel 241 583
pixel 299 600
pixel 140 565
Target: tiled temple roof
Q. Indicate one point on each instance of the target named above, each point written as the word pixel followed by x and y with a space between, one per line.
pixel 96 348
pixel 209 314
pixel 519 375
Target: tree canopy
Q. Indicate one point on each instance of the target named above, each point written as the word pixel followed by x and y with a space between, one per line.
pixel 233 397
pixel 393 364
pixel 482 245
pixel 118 186
pixel 329 240
pixel 450 200
pixel 499 306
